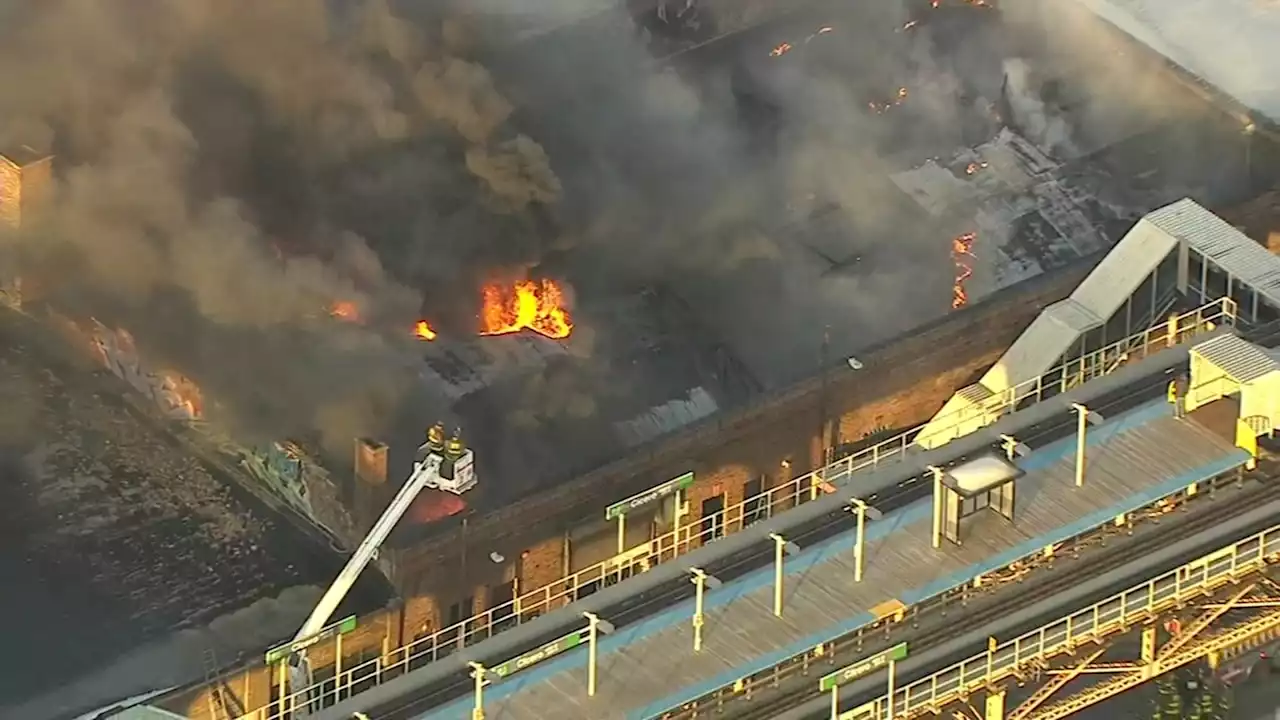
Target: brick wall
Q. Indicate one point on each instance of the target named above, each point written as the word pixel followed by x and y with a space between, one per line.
pixel 542 563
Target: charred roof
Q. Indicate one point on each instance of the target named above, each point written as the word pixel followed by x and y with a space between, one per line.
pixel 115 533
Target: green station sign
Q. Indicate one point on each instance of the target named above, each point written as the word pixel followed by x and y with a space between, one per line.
pixel 862 668
pixel 647 497
pixel 280 652
pixel 546 652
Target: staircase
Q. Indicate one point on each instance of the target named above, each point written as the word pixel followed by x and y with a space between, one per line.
pixel 222 703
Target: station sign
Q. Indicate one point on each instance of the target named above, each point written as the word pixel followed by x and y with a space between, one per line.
pixel 280 652
pixel 546 652
pixel 862 668
pixel 648 497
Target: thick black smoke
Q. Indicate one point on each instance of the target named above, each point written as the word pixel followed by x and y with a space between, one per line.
pixel 229 169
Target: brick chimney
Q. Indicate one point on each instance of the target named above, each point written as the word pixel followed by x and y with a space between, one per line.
pixel 26 175
pixel 371 482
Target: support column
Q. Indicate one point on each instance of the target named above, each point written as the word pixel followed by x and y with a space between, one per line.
pixel 593 625
pixel 995 705
pixel 477 673
pixel 779 548
pixel 1148 650
pixel 937 505
pixel 1082 425
pixel 893 686
pixel 859 550
pixel 700 585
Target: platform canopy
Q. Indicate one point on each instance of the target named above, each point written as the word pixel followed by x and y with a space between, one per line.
pixel 1229 366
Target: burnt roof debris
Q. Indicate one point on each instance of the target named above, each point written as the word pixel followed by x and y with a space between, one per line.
pixel 539 411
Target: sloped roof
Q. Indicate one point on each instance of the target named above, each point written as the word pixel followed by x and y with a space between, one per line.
pixel 1227 43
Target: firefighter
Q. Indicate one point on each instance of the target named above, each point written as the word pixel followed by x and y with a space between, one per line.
pixel 1169 705
pixel 1206 705
pixel 1225 698
pixel 1178 395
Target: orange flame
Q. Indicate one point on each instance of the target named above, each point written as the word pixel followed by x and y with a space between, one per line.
pixel 345 310
pixel 422 330
pixel 780 50
pixel 181 393
pixel 532 305
pixel 962 255
pixel 898 98
pixel 974 167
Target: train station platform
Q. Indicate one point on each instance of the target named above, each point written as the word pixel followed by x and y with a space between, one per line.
pixel 648 668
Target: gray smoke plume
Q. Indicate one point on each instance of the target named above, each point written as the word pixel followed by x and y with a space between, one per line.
pixel 204 147
pixel 230 168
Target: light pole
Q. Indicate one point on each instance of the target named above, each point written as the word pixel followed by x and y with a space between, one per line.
pixel 595 626
pixel 863 511
pixel 478 673
pixel 701 582
pixel 622 533
pixel 780 548
pixel 937 505
pixel 893 677
pixel 1082 414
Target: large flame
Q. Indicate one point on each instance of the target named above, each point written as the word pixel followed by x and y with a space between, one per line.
pixel 181 394
pixel 423 331
pixel 531 305
pixel 962 255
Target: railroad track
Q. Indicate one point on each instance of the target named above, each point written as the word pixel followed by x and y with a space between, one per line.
pixel 799 684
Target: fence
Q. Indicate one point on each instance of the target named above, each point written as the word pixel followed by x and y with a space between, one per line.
pixel 681 540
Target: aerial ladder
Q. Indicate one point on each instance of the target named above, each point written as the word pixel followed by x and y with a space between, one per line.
pixel 442 464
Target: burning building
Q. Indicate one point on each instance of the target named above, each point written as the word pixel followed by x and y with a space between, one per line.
pixel 718 234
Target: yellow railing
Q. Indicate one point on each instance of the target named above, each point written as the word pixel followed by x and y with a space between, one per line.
pixel 681 540
pixel 1112 616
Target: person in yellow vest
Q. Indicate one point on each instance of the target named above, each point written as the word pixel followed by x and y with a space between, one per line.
pixel 1178 396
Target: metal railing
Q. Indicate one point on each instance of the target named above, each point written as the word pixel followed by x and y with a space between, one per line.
pixel 801 664
pixel 1114 615
pixel 785 496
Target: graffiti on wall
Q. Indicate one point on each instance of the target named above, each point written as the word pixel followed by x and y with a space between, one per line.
pixel 283 467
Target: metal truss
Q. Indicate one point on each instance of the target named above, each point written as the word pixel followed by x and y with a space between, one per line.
pixel 1209 608
pixel 1213 630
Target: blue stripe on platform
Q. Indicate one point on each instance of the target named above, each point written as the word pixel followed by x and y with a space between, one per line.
pixel 919 512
